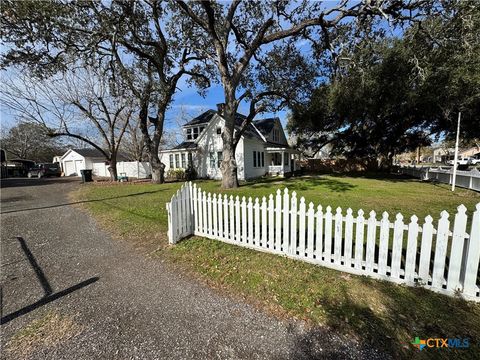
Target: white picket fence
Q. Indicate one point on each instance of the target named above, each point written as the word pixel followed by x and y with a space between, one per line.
pixel 434 257
pixel 467 179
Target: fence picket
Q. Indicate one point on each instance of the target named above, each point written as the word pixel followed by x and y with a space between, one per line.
pixel 271 224
pixel 244 220
pixel 205 213
pixel 286 220
pixel 301 228
pixel 310 230
pixel 359 231
pixel 209 212
pixel 282 225
pixel 473 256
pixel 383 248
pixel 235 220
pixel 293 229
pixel 456 252
pixel 278 222
pixel 397 247
pixel 347 259
pixel 411 257
pixel 440 251
pixel 337 252
pixel 250 239
pixel 328 235
pixel 319 237
pixel 256 224
pixel 263 241
pixel 195 209
pixel 215 215
pixel 425 250
pixel 371 236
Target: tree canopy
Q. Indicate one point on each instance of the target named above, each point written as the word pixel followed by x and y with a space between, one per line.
pixel 390 95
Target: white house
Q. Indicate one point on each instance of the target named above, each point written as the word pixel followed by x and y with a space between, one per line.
pixel 262 150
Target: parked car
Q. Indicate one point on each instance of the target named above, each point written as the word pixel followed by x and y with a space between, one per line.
pixel 461 161
pixel 41 170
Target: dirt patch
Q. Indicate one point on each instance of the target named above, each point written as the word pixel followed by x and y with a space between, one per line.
pixel 46 332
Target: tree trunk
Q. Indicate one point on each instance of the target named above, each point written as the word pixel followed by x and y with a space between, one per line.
pixel 229 163
pixel 158 169
pixel 112 168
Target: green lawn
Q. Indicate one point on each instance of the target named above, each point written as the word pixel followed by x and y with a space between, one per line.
pixel 381 313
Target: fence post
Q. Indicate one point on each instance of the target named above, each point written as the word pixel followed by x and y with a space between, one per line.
pixel 359 240
pixel 319 235
pixel 347 259
pixel 271 224
pixel 278 222
pixel 383 248
pixel 244 220
pixel 426 248
pixel 328 235
pixel 301 227
pixel 411 250
pixel 286 222
pixel 440 250
pixel 397 247
pixel 310 229
pixel 338 236
pixel 371 236
pixel 293 228
pixel 473 255
pixel 256 224
pixel 264 223
pixel 456 252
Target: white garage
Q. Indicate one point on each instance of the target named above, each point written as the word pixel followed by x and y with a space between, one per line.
pixel 75 160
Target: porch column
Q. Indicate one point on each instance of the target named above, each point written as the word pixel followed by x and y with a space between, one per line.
pixel 283 161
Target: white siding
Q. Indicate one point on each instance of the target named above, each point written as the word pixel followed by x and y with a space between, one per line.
pixel 72 163
pixel 249 146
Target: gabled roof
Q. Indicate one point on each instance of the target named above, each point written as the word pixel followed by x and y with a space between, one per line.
pixel 202 118
pixel 94 153
pixel 185 145
pixel 265 126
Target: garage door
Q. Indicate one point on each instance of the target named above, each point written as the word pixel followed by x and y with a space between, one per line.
pixel 79 166
pixel 69 168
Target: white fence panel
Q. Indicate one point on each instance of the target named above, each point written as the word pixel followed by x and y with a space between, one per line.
pixel 466 179
pixel 281 225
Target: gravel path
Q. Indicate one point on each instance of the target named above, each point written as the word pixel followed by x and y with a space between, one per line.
pixel 113 302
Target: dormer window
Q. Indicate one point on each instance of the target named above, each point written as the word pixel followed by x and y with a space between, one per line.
pixel 195 132
pixel 189 134
pixel 219 131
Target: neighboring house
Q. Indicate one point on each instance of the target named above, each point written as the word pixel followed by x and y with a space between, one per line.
pixel 262 150
pixel 473 152
pixel 75 160
pixel 442 155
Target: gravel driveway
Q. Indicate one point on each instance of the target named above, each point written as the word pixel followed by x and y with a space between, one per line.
pixel 71 292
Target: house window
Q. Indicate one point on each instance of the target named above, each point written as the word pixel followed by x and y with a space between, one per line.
pixel 258 158
pixel 189 134
pixel 195 132
pixel 190 160
pixel 177 161
pixel 286 155
pixel 183 161
pixel 254 159
pixel 171 161
pixel 212 160
pixel 201 129
pixel 263 159
pixel 219 131
pixel 276 135
pixel 219 159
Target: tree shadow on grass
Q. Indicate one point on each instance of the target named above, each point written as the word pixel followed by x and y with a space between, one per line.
pixel 390 327
pixel 302 184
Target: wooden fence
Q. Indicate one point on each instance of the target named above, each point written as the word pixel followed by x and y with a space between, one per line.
pixel 435 255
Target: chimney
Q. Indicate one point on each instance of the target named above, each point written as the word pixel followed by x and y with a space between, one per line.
pixel 220 108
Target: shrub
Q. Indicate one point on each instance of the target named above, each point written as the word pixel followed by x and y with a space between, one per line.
pixel 190 173
pixel 176 174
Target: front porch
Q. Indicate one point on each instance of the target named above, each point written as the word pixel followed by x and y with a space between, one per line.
pixel 281 161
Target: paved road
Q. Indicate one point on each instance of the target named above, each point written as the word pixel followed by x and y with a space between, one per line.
pixel 108 300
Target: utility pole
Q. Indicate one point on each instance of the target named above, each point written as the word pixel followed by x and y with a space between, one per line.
pixel 456 153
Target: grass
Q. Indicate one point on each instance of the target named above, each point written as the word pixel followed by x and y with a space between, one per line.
pixel 47 331
pixel 375 312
